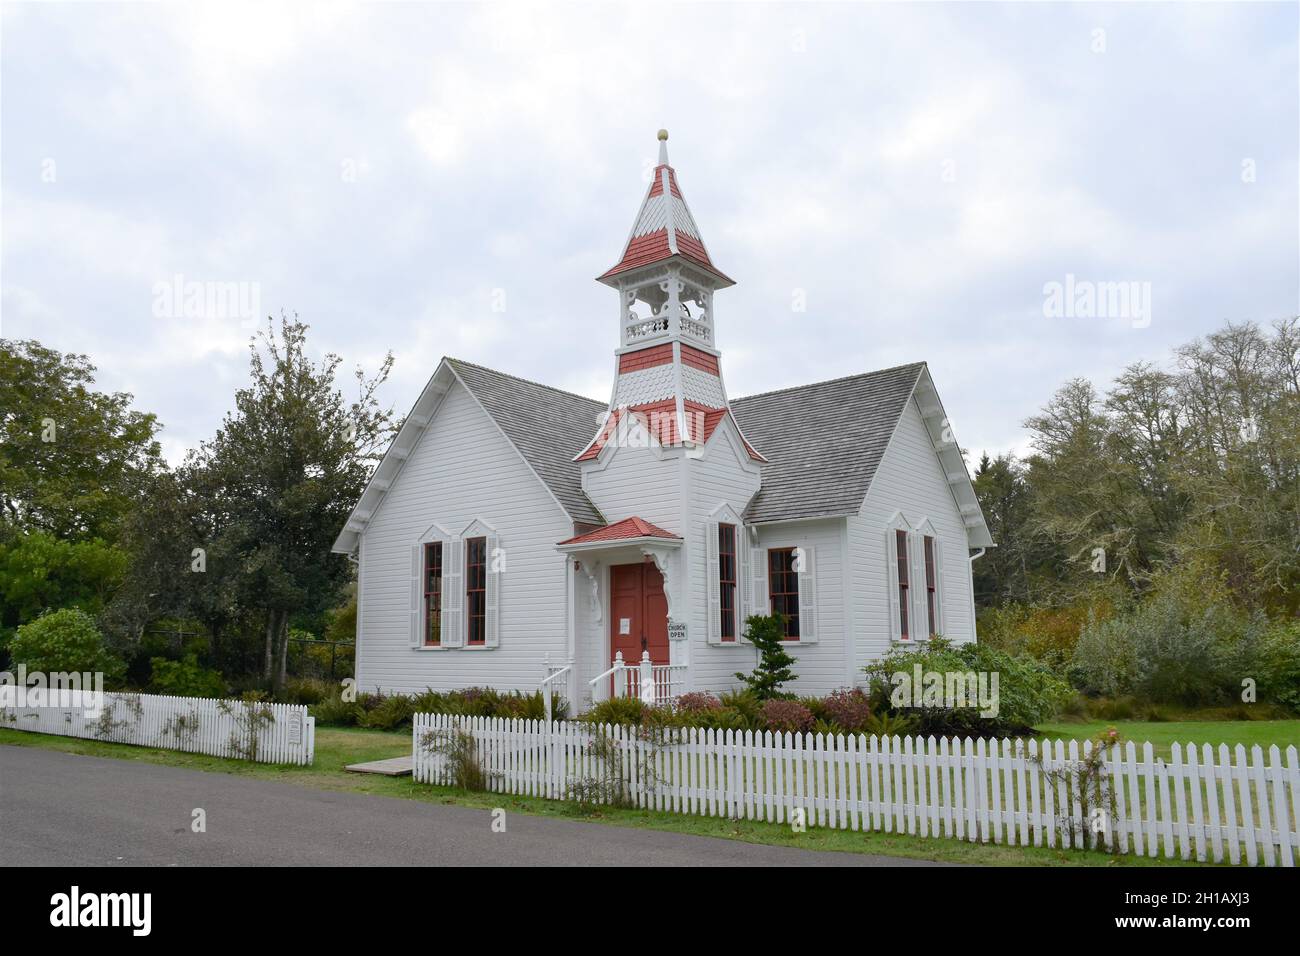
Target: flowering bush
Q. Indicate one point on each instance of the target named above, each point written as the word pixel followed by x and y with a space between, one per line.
pixel 698 702
pixel 848 708
pixel 786 716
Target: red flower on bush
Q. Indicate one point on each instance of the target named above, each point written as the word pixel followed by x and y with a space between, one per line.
pixel 698 702
pixel 850 709
pixel 786 716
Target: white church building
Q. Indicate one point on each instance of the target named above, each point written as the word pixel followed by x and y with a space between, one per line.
pixel 515 533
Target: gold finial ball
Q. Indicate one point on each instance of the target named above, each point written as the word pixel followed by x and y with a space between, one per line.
pixel 663 134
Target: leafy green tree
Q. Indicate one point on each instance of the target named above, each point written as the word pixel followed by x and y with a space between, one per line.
pixel 39 572
pixel 280 477
pixel 65 641
pixel 73 461
pixel 775 664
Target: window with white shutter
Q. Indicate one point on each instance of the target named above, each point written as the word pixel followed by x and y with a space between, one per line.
pixel 783 588
pixel 898 578
pixel 453 597
pixel 806 568
pixel 726 572
pixel 761 602
pixel 495 575
pixel 711 582
pixel 929 576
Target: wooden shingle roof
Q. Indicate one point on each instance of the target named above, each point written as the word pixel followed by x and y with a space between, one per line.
pixel 548 427
pixel 824 441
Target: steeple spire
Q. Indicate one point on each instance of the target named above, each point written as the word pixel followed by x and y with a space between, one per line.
pixel 664 229
pixel 667 370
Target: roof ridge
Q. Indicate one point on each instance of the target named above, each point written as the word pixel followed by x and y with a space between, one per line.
pixel 829 381
pixel 520 378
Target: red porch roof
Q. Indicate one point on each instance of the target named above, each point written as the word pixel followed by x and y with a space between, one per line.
pixel 622 530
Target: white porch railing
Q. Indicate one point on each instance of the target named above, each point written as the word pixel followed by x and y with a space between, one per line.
pixel 554 675
pixel 652 683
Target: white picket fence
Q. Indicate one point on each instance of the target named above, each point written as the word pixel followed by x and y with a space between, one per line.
pixel 261 732
pixel 1199 804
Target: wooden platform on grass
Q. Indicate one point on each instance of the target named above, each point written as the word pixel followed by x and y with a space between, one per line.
pixel 393 767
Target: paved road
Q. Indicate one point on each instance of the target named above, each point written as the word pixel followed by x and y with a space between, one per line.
pixel 89 811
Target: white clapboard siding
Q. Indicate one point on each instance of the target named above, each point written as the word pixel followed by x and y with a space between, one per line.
pixel 1242 807
pixel 219 728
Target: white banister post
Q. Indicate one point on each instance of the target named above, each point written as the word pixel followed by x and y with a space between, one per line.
pixel 647 679
pixel 618 674
pixel 546 686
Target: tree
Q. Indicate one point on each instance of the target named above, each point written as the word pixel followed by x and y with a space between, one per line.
pixel 39 572
pixel 280 477
pixel 73 461
pixel 775 663
pixel 1005 573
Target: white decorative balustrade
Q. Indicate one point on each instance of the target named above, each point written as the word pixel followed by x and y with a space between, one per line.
pixel 651 683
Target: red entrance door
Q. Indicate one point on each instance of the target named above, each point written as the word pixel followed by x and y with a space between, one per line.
pixel 638 613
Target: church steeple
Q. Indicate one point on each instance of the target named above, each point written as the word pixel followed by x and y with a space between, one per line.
pixel 667 361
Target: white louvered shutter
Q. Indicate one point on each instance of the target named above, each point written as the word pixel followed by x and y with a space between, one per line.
pixel 920 614
pixel 744 584
pixel 808 625
pixel 495 569
pixel 938 585
pixel 417 595
pixel 453 592
pixel 758 575
pixel 711 581
pixel 891 581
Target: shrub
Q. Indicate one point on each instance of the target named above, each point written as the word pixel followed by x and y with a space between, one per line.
pixel 617 710
pixel 1027 693
pixel 775 664
pixel 786 716
pixel 1171 651
pixel 847 709
pixel 307 690
pixel 698 702
pixel 391 713
pixel 65 641
pixel 336 712
pixel 744 704
pixel 185 678
pixel 885 724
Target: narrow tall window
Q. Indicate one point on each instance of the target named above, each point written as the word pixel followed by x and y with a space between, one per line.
pixel 727 579
pixel 476 590
pixel 931 594
pixel 433 594
pixel 783 588
pixel 901 539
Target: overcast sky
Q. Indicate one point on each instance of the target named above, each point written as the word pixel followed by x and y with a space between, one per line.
pixel 916 174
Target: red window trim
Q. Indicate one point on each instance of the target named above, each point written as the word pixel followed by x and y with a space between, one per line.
pixel 727 585
pixel 433 594
pixel 789 578
pixel 904 583
pixel 930 584
pixel 475 587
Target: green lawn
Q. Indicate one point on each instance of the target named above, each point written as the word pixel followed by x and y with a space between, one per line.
pixel 1284 733
pixel 336 747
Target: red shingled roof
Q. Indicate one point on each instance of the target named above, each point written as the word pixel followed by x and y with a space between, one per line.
pixel 649 242
pixel 621 530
